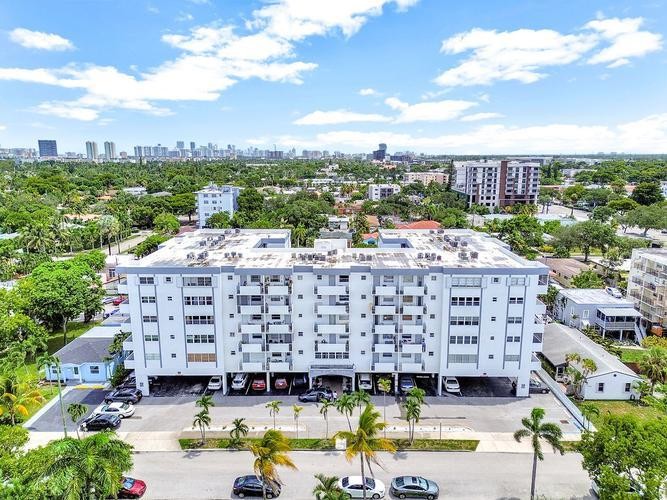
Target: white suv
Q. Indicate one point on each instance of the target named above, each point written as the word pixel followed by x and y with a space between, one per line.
pixel 240 381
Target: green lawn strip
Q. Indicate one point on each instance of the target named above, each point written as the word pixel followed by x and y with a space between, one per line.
pixel 641 411
pixel 74 329
pixel 632 355
pixel 328 444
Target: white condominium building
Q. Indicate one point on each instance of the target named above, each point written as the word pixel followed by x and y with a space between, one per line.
pixel 493 183
pixel 425 302
pixel 647 287
pixel 213 199
pixel 377 192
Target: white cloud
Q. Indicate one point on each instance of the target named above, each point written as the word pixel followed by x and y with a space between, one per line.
pixel 522 55
pixel 152 9
pixel 475 117
pixel 3 127
pixel 339 116
pixel 66 110
pixel 39 40
pixel 200 2
pixel 428 111
pixel 368 91
pixel 184 16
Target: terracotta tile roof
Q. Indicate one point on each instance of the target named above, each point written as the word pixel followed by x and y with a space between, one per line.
pixel 420 224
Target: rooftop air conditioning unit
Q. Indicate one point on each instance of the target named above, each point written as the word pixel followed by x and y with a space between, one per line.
pixel 464 243
pixel 463 255
pixel 420 255
pixel 474 255
pixel 191 255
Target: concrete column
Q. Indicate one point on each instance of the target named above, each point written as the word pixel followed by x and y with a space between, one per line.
pixel 310 382
pixel 523 384
pixel 396 389
pixel 224 383
pixel 353 384
pixel 439 384
pixel 268 381
pixel 142 383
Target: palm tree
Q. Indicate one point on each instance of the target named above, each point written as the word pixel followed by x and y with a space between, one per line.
pixel 589 410
pixel 345 404
pixel 413 412
pixel 17 397
pixel 361 398
pixel 271 452
pixel 324 411
pixel 274 409
pixel 80 469
pixel 49 361
pixel 205 402
pixel 239 429
pixel 534 429
pixel 76 411
pixel 365 442
pixel 417 394
pixel 579 375
pixel 654 365
pixel 384 385
pixel 202 420
pixel 327 488
pixel 299 235
pixel 297 411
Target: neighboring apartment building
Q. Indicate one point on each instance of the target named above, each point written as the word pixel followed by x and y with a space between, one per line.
pixel 425 177
pixel 47 148
pixel 213 199
pixel 378 192
pixel 110 150
pixel 494 183
pixel 431 302
pixel 91 150
pixel 647 287
pixel 594 307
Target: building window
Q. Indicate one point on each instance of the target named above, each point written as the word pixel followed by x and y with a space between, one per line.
pixel 173 355
pixel 197 281
pixel 514 320
pixel 146 280
pixel 230 277
pixel 230 297
pixel 496 280
pixel 94 370
pixel 465 301
pixel 431 316
pixel 585 314
pixel 167 279
pixel 203 338
pixel 516 300
pixel 171 318
pixel 172 337
pixel 464 320
pixel 363 296
pixel 601 387
pixel 199 320
pixel 363 315
pixel 628 386
pixel 152 356
pixel 490 356
pixel 300 296
pixel 299 277
pixel 205 357
pixel 194 300
pixel 432 297
pixel 149 337
pixel 463 339
pixel 169 299
pixel 148 299
pixel 515 281
pixel 149 319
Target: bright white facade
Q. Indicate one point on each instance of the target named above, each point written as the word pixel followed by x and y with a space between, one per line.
pixel 647 287
pixel 377 192
pixel 214 199
pixel 431 302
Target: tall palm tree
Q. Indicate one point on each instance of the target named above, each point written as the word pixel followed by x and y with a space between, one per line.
pixel 345 405
pixel 239 428
pixel 654 365
pixel 297 411
pixel 205 402
pixel 413 412
pixel 361 398
pixel 49 361
pixel 271 452
pixel 274 409
pixel 203 421
pixel 580 375
pixel 589 410
pixel 17 397
pixel 365 442
pixel 384 385
pixel 326 405
pixel 299 234
pixel 90 468
pixel 76 411
pixel 535 430
pixel 327 488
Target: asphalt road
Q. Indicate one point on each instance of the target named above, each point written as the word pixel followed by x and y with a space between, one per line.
pixel 210 474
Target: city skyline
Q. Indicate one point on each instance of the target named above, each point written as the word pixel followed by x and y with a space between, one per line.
pixel 418 75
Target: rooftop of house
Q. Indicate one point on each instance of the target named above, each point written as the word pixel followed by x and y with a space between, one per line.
pixel 398 249
pixel 566 267
pixel 593 296
pixel 91 347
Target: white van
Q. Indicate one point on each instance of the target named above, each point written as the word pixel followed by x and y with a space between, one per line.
pixel 365 382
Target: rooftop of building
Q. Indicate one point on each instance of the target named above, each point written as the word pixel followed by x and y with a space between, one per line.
pixel 593 296
pixel 214 188
pixel 399 249
pixel 658 255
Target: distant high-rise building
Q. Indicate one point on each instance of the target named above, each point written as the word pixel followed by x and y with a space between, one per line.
pixel 47 148
pixel 91 150
pixel 110 150
pixel 180 144
pixel 381 152
pixel 138 151
pixel 123 155
pixel 193 146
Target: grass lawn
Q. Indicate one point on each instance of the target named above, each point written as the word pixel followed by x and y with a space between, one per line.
pixel 328 444
pixel 632 355
pixel 623 408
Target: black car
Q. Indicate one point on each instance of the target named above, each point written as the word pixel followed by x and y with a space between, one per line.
pixel 536 387
pixel 317 394
pixel 101 423
pixel 125 395
pixel 300 380
pixel 251 486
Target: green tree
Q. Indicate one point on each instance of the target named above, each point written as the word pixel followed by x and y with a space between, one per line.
pixel 345 405
pixel 365 442
pixel 166 223
pixel 17 397
pixel 579 374
pixel 299 235
pixel 535 430
pixel 219 220
pixel 589 410
pixel 384 386
pixel 654 366
pixel 239 430
pixel 76 411
pixel 647 193
pixel 205 402
pixel 203 421
pixel 647 217
pixel 572 195
pixel 274 409
pixel 587 279
pixel 296 409
pixel 361 398
pixel 270 453
pixel 327 488
pixel 325 406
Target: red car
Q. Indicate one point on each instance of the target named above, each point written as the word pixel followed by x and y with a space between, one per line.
pixel 132 488
pixel 258 384
pixel 117 301
pixel 280 383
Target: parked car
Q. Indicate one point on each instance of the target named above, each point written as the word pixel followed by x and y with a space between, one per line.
pixel 108 300
pixel 300 380
pixel 123 410
pixel 365 382
pixel 126 395
pixel 251 486
pixel 117 301
pixel 101 423
pixel 406 382
pixel 129 383
pixel 452 385
pixel 317 394
pixel 259 384
pixel 614 292
pixel 240 381
pixel 132 488
pixel 353 486
pixel 215 383
pixel 280 383
pixel 414 487
pixel 535 387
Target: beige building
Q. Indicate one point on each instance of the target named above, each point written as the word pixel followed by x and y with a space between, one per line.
pixel 647 287
pixel 425 177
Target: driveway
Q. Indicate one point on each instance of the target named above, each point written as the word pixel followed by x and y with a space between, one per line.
pixel 51 420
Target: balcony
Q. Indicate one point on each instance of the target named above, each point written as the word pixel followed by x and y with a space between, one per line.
pixel 328 347
pixel 412 367
pixel 412 329
pixel 413 290
pixel 535 363
pixel 615 325
pixel 124 307
pixel 412 348
pixel 248 347
pixel 277 290
pixel 129 362
pixel 384 367
pixel 122 286
pixel 250 310
pixel 382 310
pixel 280 328
pixel 384 348
pixel 386 290
pixel 250 290
pixel 280 366
pixel 337 309
pixel 540 307
pixel 278 309
pixel 332 290
pixel 280 347
pixel 128 344
pixel 413 310
pixel 331 329
pixel 384 329
pixel 251 366
pixel 256 328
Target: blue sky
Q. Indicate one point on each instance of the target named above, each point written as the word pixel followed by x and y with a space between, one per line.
pixel 472 77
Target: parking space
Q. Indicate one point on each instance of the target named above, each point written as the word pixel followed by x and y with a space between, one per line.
pixel 51 420
pixel 489 387
pixel 161 387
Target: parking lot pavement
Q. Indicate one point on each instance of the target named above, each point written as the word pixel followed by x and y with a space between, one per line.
pixel 51 420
